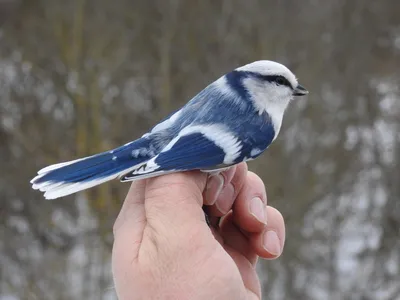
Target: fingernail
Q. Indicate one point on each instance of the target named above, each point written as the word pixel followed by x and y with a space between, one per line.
pixel 225 199
pixel 257 209
pixel 214 187
pixel 272 243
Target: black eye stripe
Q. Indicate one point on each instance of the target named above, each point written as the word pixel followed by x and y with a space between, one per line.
pixel 280 80
pixel 277 79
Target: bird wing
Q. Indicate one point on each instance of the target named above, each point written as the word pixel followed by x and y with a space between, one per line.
pixel 196 147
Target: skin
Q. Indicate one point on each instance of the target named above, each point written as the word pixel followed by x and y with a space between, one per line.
pixel 164 249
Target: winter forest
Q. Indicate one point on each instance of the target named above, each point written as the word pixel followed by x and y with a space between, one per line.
pixel 82 76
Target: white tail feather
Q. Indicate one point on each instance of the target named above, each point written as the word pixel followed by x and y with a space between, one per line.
pixel 57 189
pixel 53 190
pixel 59 165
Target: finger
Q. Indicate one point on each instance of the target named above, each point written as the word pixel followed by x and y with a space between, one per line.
pixel 216 183
pixel 239 248
pixel 269 243
pixel 132 218
pixel 248 273
pixel 236 239
pixel 175 200
pixel 226 198
pixel 128 232
pixel 249 210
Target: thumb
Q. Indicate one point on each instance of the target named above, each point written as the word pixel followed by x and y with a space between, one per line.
pixel 174 200
pixel 131 220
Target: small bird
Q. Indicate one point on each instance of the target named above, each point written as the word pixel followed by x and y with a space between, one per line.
pixel 234 119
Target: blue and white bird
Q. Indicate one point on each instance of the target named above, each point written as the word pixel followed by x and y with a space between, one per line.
pixel 232 120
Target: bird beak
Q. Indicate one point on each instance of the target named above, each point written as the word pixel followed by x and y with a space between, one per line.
pixel 300 91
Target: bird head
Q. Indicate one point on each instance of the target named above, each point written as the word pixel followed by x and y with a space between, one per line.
pixel 271 86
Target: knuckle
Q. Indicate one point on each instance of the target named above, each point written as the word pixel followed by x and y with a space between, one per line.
pixel 255 180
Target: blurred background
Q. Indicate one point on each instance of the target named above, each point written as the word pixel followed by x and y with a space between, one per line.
pixel 82 76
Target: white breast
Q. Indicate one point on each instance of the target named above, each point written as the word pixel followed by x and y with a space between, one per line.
pixel 267 97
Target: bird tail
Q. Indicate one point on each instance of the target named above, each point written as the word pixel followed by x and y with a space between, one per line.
pixel 70 177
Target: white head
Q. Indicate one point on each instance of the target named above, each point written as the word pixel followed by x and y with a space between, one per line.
pixel 271 86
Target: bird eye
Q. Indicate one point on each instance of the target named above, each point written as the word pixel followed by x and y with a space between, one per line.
pixel 280 81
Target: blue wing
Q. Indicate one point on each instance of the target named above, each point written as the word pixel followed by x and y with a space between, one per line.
pixel 189 152
pixel 194 151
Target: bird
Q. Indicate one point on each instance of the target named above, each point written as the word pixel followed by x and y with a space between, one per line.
pixel 234 119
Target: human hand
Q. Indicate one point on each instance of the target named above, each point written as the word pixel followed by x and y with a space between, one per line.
pixel 164 249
